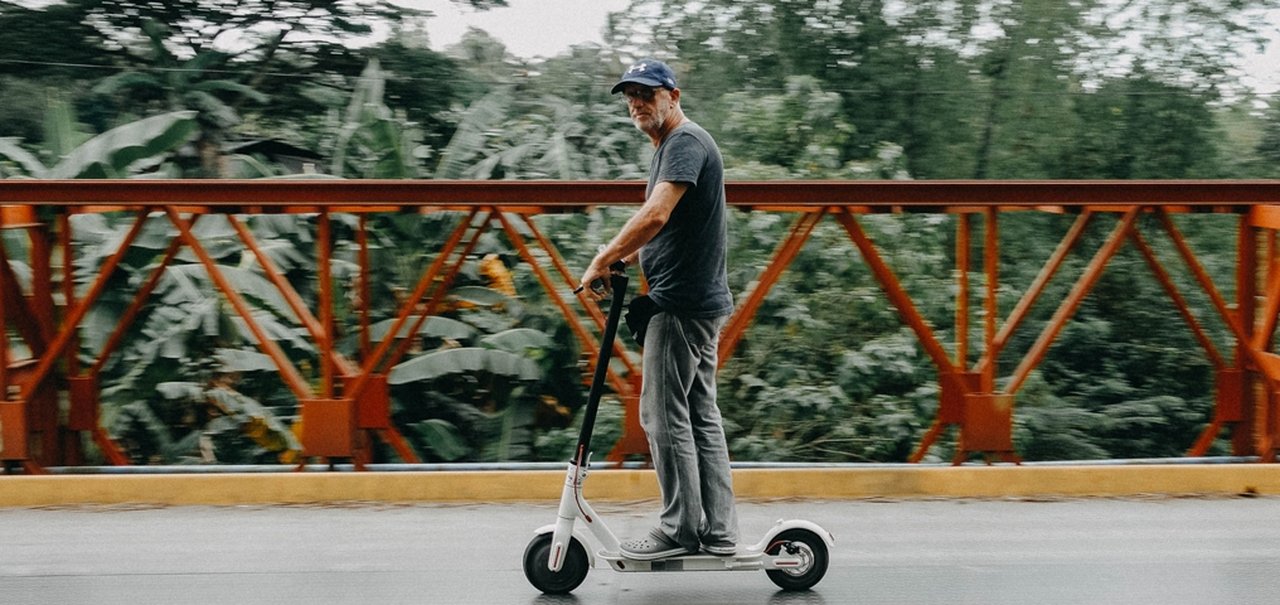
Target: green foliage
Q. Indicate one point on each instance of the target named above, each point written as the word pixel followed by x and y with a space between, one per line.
pixel 840 90
pixel 1268 148
pixel 464 361
pixel 548 137
pixel 116 153
pixel 558 444
pixel 373 142
pixel 802 128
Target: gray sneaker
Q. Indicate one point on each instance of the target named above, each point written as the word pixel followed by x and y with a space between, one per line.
pixel 654 546
pixel 720 549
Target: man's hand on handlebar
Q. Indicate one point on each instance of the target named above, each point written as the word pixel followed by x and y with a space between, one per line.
pixel 595 281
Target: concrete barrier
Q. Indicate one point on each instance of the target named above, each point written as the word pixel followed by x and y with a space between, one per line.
pixel 625 485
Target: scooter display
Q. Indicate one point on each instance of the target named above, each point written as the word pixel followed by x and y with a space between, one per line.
pixel 793 553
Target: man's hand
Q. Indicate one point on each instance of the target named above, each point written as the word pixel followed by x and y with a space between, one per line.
pixel 599 284
pixel 595 282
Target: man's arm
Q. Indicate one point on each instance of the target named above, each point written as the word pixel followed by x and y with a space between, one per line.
pixel 641 228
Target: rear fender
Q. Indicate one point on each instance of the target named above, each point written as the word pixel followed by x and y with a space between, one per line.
pixel 784 525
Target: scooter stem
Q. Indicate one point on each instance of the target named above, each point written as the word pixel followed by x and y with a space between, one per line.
pixel 618 282
pixel 571 502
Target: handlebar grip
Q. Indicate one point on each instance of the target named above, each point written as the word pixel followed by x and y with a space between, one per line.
pixel 597 284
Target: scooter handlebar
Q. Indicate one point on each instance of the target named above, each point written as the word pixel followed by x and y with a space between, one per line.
pixel 618 268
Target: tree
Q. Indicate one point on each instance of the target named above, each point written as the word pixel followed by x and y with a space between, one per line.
pixel 54 42
pixel 1269 147
pixel 802 129
pixel 372 142
pixel 177 85
pixel 216 57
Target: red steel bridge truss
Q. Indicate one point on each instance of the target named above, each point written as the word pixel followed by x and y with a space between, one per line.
pixel 51 398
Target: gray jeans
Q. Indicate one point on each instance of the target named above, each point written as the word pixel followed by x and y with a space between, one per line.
pixel 686 438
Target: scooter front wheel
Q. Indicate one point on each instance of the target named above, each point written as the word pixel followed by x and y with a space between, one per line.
pixel 806 546
pixel 571 574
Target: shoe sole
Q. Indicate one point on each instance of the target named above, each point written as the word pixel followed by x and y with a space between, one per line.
pixel 720 553
pixel 654 556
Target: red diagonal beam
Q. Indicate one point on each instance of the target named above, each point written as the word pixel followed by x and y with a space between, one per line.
pixel 1231 318
pixel 593 309
pixel 292 378
pixel 135 307
pixel 786 252
pixel 425 282
pixel 588 343
pixel 986 366
pixel 1179 301
pixel 72 320
pixel 1073 300
pixel 288 292
pixel 437 295
pixel 109 448
pixel 894 290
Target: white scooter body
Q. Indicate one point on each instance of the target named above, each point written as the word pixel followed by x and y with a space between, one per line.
pixel 793 553
pixel 574 507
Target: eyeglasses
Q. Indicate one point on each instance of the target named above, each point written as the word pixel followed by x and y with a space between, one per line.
pixel 638 93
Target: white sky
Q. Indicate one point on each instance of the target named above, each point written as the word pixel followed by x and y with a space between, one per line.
pixel 529 28
pixel 545 28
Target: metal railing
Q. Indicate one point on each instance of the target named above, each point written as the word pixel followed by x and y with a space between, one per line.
pixel 344 401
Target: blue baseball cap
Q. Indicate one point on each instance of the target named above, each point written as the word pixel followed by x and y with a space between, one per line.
pixel 650 72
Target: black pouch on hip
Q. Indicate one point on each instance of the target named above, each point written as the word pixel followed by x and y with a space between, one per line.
pixel 639 311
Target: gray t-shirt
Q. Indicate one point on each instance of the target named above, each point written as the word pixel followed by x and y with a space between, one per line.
pixel 685 262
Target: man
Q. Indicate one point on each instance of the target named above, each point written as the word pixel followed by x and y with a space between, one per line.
pixel 678 235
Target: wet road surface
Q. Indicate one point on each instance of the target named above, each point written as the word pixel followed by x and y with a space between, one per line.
pixel 1158 550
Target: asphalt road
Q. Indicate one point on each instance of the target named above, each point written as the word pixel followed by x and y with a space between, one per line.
pixel 1184 551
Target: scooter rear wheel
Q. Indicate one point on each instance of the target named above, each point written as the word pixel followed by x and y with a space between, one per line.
pixel 811 550
pixel 571 574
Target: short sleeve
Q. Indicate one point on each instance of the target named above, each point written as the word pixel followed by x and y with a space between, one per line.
pixel 682 160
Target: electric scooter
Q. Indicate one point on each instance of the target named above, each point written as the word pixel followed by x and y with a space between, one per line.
pixel 793 553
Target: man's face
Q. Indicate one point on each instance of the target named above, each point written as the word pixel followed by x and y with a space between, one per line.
pixel 648 106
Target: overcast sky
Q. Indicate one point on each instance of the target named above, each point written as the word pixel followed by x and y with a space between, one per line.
pixel 546 28
pixel 529 28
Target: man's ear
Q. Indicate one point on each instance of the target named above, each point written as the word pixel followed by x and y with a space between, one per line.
pixel 675 95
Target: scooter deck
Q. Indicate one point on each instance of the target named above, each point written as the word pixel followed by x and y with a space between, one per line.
pixel 745 560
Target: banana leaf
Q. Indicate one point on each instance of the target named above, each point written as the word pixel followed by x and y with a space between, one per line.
pixel 465 360
pixel 517 340
pixel 479 295
pixel 442 438
pixel 237 360
pixel 435 326
pixel 114 152
pixel 10 150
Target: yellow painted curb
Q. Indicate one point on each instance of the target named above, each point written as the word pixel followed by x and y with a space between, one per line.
pixel 623 485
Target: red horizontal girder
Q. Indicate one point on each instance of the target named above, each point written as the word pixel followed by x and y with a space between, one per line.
pixel 811 195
